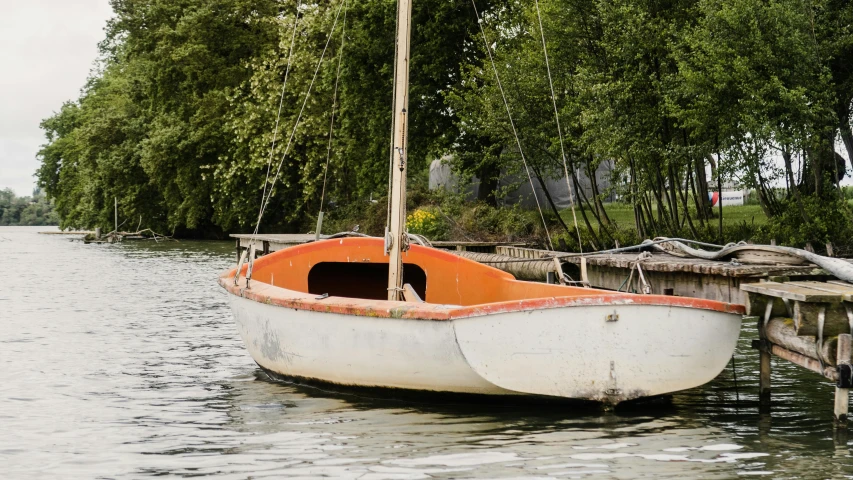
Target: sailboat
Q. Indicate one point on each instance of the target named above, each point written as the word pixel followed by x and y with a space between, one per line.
pixel 387 312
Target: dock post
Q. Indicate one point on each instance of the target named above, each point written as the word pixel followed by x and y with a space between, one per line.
pixel 842 388
pixel 764 379
pixel 97 233
pixel 764 360
pixel 319 228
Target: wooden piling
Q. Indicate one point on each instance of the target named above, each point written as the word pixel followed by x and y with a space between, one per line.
pixel 764 353
pixel 764 380
pixel 842 395
pixel 824 350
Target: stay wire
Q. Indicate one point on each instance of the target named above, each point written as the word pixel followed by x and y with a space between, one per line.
pixel 334 104
pixel 511 122
pixel 280 106
pixel 266 201
pixel 559 130
pixel 272 146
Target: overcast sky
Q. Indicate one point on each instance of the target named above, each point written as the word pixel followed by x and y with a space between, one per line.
pixel 47 48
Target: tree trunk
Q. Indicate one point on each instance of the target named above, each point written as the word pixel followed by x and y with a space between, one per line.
pixel 488 174
pixel 638 211
pixel 658 189
pixel 596 196
pixel 584 205
pixel 789 171
pixel 650 218
pixel 700 214
pixel 683 196
pixel 720 193
pixel 551 201
pixel 817 168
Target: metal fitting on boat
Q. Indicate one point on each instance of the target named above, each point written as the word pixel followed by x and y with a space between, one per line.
pixel 389 241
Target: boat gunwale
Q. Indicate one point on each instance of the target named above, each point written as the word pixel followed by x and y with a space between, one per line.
pixel 267 294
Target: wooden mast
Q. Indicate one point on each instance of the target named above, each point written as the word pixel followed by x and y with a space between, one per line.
pixel 397 221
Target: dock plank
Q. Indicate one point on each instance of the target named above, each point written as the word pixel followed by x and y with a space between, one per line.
pixel 284 238
pixel 825 287
pixel 792 292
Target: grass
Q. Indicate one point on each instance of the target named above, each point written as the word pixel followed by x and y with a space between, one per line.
pixel 623 215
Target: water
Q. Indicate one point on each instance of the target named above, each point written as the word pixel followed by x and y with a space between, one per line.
pixel 122 361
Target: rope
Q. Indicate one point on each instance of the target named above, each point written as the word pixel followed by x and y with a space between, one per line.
pixel 645 244
pixel 646 288
pixel 334 104
pixel 559 130
pixel 512 124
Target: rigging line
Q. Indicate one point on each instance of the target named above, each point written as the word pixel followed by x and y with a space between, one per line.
pixel 281 98
pixel 275 131
pixel 298 118
pixel 334 104
pixel 559 130
pixel 512 124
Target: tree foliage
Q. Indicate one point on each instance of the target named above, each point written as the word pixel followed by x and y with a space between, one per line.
pixel 26 211
pixel 179 119
pixel 756 89
pixel 178 122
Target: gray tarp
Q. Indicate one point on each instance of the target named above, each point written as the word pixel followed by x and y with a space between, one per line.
pixel 441 176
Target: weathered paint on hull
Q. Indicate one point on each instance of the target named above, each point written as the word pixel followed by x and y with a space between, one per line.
pixel 478 330
pixel 569 352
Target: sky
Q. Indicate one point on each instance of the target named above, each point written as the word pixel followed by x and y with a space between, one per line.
pixel 47 48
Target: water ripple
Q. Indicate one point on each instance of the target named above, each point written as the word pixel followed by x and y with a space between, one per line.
pixel 122 361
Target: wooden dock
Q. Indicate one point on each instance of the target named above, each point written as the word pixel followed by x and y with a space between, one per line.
pixel 692 277
pixel 69 232
pixel 271 242
pixel 808 324
pixel 671 275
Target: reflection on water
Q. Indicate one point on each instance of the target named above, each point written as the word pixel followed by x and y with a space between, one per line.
pixel 122 361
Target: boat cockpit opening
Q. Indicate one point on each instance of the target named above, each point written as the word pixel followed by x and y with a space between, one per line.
pixel 360 280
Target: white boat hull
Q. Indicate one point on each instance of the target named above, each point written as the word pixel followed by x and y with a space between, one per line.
pixel 607 353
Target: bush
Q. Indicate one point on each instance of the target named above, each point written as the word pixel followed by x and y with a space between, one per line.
pixel 427 221
pixel 828 221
